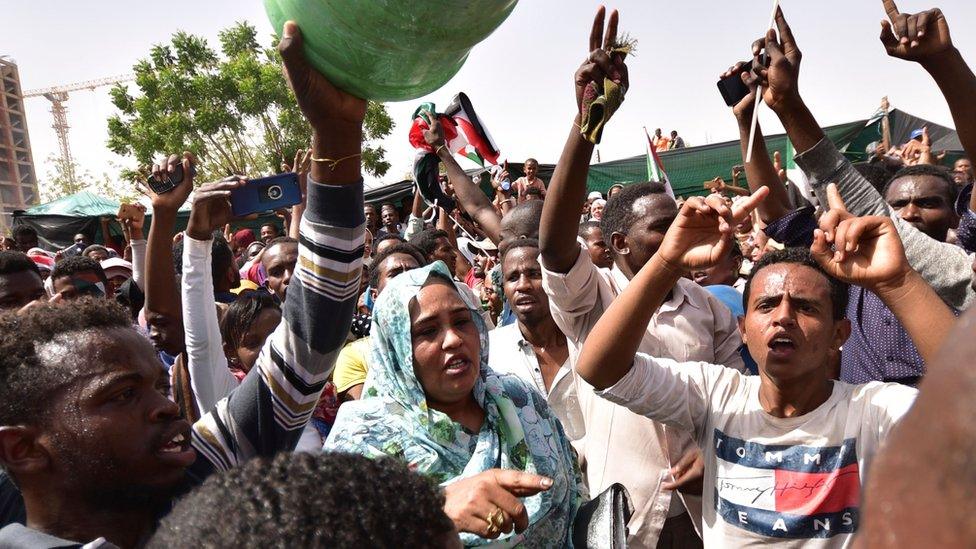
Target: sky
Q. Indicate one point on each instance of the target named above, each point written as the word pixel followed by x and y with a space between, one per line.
pixel 520 79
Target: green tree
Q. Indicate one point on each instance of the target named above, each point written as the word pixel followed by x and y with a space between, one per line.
pixel 234 110
pixel 58 184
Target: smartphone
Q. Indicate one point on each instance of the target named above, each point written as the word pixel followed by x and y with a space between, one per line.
pixel 266 194
pixel 732 88
pixel 169 183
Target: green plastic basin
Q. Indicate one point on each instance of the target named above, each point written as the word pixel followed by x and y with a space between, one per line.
pixel 390 50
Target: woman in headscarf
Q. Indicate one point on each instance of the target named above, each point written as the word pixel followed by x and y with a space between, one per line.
pixel 431 400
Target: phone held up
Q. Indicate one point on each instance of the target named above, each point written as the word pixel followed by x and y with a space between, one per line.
pixel 266 194
pixel 170 182
pixel 732 88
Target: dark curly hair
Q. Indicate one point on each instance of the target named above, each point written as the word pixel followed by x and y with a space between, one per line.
pixel 515 244
pixel 221 258
pixel 242 312
pixel 26 381
pixel 938 172
pixel 406 249
pixel 333 500
pixel 619 215
pixel 75 265
pixel 12 261
pixel 426 240
pixel 839 296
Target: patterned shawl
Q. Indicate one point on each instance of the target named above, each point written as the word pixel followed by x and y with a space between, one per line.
pixel 519 431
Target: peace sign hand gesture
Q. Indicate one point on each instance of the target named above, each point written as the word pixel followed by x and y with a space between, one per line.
pixel 916 37
pixel 602 63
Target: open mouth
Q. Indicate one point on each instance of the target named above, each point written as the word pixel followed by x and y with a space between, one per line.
pixel 175 448
pixel 782 347
pixel 457 366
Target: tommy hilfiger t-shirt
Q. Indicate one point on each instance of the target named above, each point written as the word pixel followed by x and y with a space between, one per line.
pixel 786 482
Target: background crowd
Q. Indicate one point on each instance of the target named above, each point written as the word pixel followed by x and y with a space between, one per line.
pixel 760 365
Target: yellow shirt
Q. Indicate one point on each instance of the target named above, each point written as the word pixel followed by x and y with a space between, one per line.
pixel 351 365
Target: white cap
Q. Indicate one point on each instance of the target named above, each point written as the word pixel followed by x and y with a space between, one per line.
pixel 116 263
pixel 594 195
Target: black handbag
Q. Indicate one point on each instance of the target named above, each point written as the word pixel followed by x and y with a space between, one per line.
pixel 602 521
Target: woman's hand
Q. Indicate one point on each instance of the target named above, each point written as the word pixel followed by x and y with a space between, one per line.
pixel 488 504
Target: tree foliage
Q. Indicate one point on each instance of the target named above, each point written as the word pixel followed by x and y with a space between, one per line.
pixel 59 184
pixel 233 110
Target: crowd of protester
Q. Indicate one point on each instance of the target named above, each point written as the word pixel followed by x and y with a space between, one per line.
pixel 738 362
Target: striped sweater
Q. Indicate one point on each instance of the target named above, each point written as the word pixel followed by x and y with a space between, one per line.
pixel 266 413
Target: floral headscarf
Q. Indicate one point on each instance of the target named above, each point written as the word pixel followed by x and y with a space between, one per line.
pixel 519 431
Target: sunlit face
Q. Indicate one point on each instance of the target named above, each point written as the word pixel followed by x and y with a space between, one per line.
pixel 81 284
pixel 596 209
pixel 923 201
pixel 391 218
pixel 372 218
pixel 166 332
pixel 115 431
pixel 531 170
pixel 268 233
pixel 789 324
pixel 391 267
pixel 522 284
pixel 597 248
pixel 654 214
pixel 963 168
pixel 446 344
pixel 443 251
pixel 279 263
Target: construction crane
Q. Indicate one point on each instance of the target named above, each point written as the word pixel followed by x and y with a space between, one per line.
pixel 58 95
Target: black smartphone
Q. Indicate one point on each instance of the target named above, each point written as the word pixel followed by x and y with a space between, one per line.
pixel 169 183
pixel 732 88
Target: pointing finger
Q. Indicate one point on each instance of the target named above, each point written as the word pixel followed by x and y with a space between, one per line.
pixel 743 208
pixel 834 199
pixel 890 9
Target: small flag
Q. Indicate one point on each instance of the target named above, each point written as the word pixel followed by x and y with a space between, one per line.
pixel 655 169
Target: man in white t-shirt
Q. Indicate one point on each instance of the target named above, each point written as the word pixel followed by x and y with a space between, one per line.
pixel 785 452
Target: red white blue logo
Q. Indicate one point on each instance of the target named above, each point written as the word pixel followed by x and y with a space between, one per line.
pixel 798 492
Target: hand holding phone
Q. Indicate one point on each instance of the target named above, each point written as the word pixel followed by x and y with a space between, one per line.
pixel 266 194
pixel 732 88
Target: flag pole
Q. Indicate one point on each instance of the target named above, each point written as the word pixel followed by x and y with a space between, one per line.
pixel 759 92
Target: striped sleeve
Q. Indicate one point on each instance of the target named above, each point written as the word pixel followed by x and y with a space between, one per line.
pixel 267 412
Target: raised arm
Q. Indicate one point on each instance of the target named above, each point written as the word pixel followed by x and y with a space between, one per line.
pixel 162 295
pixel 210 378
pixel 468 194
pixel 869 253
pixel 567 189
pixel 760 172
pixel 699 237
pixel 924 38
pixel 945 266
pixel 134 219
pixel 267 412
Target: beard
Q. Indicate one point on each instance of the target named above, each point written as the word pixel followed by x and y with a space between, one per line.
pixel 104 482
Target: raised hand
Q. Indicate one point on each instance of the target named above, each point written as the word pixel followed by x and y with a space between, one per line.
pixel 914 37
pixel 704 230
pixel 602 63
pixel 133 219
pixel 867 250
pixel 212 208
pixel 173 200
pixel 434 134
pixel 743 109
pixel 780 74
pixel 321 102
pixel 918 152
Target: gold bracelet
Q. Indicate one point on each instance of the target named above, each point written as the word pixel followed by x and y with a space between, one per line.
pixel 438 149
pixel 333 163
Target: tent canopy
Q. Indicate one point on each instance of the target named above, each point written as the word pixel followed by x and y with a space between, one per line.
pixel 57 222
